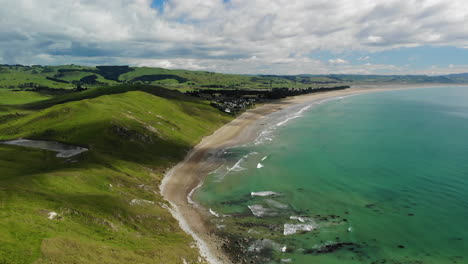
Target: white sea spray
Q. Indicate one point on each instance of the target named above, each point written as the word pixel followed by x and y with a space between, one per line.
pixel 291 229
pixel 264 193
pixel 276 204
pixel 259 211
pixel 189 196
pixel 214 213
pixel 301 219
pixel 259 245
pixel 266 135
pixel 236 167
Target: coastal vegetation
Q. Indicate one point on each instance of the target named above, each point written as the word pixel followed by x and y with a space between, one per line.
pixel 104 205
pixel 20 77
pixel 101 206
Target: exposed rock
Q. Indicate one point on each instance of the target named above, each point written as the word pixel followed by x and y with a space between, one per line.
pixel 52 215
pixel 140 202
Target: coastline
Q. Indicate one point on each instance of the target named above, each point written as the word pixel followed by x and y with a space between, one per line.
pixel 187 176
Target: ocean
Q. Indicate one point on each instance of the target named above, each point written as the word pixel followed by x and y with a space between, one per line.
pixel 372 178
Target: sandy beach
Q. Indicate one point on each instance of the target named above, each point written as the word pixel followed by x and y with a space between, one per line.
pixel 182 180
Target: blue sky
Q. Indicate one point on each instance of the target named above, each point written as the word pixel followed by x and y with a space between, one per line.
pixel 418 58
pixel 241 36
pixel 158 4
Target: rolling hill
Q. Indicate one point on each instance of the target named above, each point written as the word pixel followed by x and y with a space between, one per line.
pixel 107 200
pixel 136 123
pixel 21 77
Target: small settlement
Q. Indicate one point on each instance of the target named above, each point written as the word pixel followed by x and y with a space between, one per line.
pixel 235 101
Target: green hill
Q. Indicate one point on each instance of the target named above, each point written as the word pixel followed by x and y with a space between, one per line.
pixel 107 202
pixel 72 76
pixel 107 199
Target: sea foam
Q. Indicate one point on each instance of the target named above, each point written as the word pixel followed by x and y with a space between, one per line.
pixel 189 196
pixel 259 211
pixel 299 218
pixel 214 213
pixel 291 229
pixel 276 204
pixel 237 166
pixel 267 134
pixel 264 193
pixel 260 245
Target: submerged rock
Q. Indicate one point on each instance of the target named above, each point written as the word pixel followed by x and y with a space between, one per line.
pixel 332 247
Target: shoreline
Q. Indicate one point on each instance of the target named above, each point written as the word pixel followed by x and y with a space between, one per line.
pixel 182 180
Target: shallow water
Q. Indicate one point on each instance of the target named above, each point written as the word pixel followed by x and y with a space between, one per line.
pixel 64 150
pixel 375 177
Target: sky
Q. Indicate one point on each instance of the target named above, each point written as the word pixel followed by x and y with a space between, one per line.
pixel 241 36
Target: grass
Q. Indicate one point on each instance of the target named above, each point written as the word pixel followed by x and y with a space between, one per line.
pixel 20 97
pixel 134 135
pixel 22 76
pixel 15 77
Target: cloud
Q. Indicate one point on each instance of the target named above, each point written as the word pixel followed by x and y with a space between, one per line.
pixel 338 61
pixel 375 39
pixel 224 35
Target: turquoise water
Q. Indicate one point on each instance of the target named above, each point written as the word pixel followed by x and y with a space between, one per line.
pixel 374 178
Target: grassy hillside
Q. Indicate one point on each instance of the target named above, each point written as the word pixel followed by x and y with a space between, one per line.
pixel 71 76
pixel 107 200
pixel 20 97
pixel 65 77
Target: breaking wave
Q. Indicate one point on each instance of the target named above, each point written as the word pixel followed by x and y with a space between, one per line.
pixel 235 168
pixel 266 136
pixel 259 211
pixel 214 213
pixel 264 193
pixel 291 229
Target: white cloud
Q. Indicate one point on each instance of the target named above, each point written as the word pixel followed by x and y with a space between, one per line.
pixel 375 39
pixel 189 64
pixel 219 36
pixel 452 69
pixel 337 61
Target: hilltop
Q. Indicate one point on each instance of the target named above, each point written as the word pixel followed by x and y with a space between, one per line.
pixel 74 76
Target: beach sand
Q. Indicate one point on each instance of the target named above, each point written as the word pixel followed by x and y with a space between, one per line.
pixel 182 180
